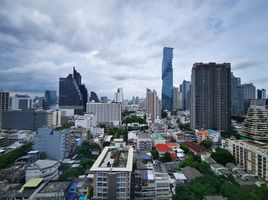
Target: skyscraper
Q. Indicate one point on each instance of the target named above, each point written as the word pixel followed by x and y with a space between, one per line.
pixel 118 96
pixel 21 102
pixel 94 97
pixel 211 96
pixel 152 104
pixel 167 78
pixel 51 97
pixel 235 83
pixel 261 94
pixel 186 94
pixel 4 100
pixel 245 93
pixel 72 94
pixel 176 104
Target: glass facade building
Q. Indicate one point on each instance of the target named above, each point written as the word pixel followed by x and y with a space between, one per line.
pixel 51 97
pixel 167 78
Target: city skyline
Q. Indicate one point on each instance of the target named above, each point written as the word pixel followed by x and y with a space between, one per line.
pixel 119 44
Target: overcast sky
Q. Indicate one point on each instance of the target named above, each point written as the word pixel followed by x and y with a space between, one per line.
pixel 119 43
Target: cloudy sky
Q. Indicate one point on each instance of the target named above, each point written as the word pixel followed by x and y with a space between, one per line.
pixel 119 43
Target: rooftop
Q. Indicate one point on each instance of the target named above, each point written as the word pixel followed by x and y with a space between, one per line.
pixel 56 186
pixel 173 144
pixel 34 182
pixel 157 137
pixel 202 132
pixel 190 173
pixel 43 164
pixel 114 159
pixel 162 147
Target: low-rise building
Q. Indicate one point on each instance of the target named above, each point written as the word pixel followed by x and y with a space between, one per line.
pixel 202 135
pixel 46 169
pixel 252 156
pixel 158 139
pixel 144 142
pixel 162 149
pixel 54 190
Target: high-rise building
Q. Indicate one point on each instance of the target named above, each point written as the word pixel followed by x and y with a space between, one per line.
pixel 235 83
pixel 245 93
pixel 185 89
pixel 152 104
pixel 261 94
pixel 51 97
pixel 94 97
pixel 255 125
pixel 167 78
pixel 176 104
pixel 21 102
pixel 211 96
pixel 72 94
pixel 104 99
pixel 4 100
pixel 106 112
pixel 118 96
pixel 112 174
pixel 54 144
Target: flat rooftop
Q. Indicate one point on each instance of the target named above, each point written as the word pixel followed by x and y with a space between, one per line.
pixel 157 137
pixel 43 164
pixel 114 159
pixel 56 186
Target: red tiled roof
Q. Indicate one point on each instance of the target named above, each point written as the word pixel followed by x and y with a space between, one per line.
pixel 195 147
pixel 173 144
pixel 162 147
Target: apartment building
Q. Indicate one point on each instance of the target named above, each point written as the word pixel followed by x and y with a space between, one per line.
pixel 112 173
pixel 252 156
pixel 144 142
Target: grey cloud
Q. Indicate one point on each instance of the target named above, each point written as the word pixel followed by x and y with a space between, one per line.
pixel 243 65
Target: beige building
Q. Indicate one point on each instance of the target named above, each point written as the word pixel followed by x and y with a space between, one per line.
pixel 252 156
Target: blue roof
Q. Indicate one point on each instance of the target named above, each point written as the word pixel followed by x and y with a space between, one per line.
pixel 82 198
pixel 73 186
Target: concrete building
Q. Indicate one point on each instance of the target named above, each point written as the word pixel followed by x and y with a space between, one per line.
pixel 21 102
pixel 261 94
pixel 96 131
pixel 185 89
pixel 151 181
pixel 201 135
pixel 119 96
pixel 144 142
pixel 24 119
pixel 46 169
pixel 112 173
pixel 176 100
pixel 158 139
pixel 167 78
pixel 235 83
pixel 252 156
pixel 54 144
pixel 211 96
pixel 4 100
pixel 106 112
pixel 255 125
pixel 152 105
pixel 54 118
pixel 245 93
pixel 86 121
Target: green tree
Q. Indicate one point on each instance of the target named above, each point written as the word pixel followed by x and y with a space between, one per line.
pixel 166 158
pixel 106 143
pixel 222 156
pixel 155 153
pixel 207 144
pixel 184 148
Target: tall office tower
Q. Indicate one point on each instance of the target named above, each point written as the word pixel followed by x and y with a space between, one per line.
pixel 261 94
pixel 245 93
pixel 211 96
pixel 167 78
pixel 235 83
pixel 118 96
pixel 175 99
pixel 104 99
pixel 72 94
pixel 21 102
pixel 137 100
pixel 51 97
pixel 54 144
pixel 152 104
pixel 256 123
pixel 94 97
pixel 112 174
pixel 106 112
pixel 4 100
pixel 185 89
